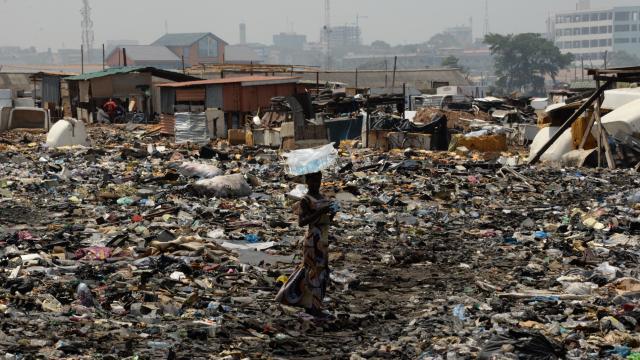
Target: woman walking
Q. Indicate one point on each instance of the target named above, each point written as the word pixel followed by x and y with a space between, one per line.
pixel 308 284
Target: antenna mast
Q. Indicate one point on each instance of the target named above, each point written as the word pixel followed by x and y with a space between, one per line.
pixel 87 29
pixel 487 29
pixel 327 32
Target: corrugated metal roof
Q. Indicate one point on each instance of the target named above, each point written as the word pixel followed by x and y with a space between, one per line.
pixel 245 80
pixel 107 72
pixel 148 53
pixel 165 74
pixel 185 39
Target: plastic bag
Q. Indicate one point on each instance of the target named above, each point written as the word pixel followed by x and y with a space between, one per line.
pixel 226 186
pixel 202 171
pixel 309 161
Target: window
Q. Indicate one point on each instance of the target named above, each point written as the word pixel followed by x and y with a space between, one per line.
pixel 609 42
pixel 585 43
pixel 609 29
pixel 576 44
pixel 621 41
pixel 576 31
pixel 603 30
pixel 634 27
pixel 602 42
pixel 584 18
pixel 610 16
pixel 623 16
pixel 594 30
pixel 568 45
pixel 603 16
pixel 207 47
pixel 634 16
pixel 594 17
pixel 585 31
pixel 594 43
pixel 634 40
pixel 622 28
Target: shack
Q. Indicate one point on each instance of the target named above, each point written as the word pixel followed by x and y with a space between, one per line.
pixel 88 92
pixel 235 97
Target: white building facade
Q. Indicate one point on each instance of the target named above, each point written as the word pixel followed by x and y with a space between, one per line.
pixel 589 34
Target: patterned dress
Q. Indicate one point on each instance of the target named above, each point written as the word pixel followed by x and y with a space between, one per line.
pixel 308 284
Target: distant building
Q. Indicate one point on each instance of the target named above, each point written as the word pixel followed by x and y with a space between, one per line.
pixel 144 55
pixel 344 37
pixel 589 33
pixel 197 48
pixel 112 44
pixel 243 34
pixel 290 41
pixel 241 54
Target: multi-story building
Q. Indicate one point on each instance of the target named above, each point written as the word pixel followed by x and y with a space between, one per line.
pixel 589 34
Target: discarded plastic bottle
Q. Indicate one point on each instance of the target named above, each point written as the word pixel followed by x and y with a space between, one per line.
pixel 84 295
pixel 251 238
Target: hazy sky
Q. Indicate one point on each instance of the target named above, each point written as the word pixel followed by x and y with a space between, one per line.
pixel 54 23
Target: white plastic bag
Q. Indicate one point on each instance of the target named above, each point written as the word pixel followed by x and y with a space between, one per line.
pixel 203 171
pixel 309 161
pixel 227 186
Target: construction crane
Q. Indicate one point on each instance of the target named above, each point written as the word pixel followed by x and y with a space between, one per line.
pixel 327 32
pixel 87 29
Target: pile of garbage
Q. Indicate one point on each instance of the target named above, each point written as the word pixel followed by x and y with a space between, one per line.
pixel 134 247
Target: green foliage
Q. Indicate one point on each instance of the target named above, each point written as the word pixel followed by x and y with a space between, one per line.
pixel 380 45
pixel 451 61
pixel 443 41
pixel 522 61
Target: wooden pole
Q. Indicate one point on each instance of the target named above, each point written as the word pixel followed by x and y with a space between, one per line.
pixel 103 58
pixel 570 121
pixel 356 80
pixel 82 58
pixel 395 67
pixel 603 136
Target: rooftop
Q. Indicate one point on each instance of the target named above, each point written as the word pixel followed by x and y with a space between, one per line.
pixel 165 74
pixel 183 39
pixel 148 53
pixel 243 80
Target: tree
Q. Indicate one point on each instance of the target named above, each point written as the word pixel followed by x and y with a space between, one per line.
pixel 451 61
pixel 443 41
pixel 623 59
pixel 522 61
pixel 380 45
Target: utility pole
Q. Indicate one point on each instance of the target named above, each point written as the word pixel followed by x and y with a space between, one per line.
pixel 327 32
pixel 87 29
pixel 487 28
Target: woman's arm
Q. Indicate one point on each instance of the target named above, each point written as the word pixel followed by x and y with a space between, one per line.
pixel 309 217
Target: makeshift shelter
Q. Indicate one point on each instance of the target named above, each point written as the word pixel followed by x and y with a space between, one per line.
pixel 88 92
pixel 236 97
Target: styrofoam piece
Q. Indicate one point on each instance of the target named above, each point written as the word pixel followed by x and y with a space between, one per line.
pixel 563 145
pixel 67 132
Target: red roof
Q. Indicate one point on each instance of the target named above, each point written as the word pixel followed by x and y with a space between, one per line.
pixel 248 80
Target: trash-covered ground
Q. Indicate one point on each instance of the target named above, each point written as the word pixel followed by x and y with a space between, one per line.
pixel 116 251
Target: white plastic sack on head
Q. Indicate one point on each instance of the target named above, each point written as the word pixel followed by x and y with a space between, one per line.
pixel 309 161
pixel 203 171
pixel 227 186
